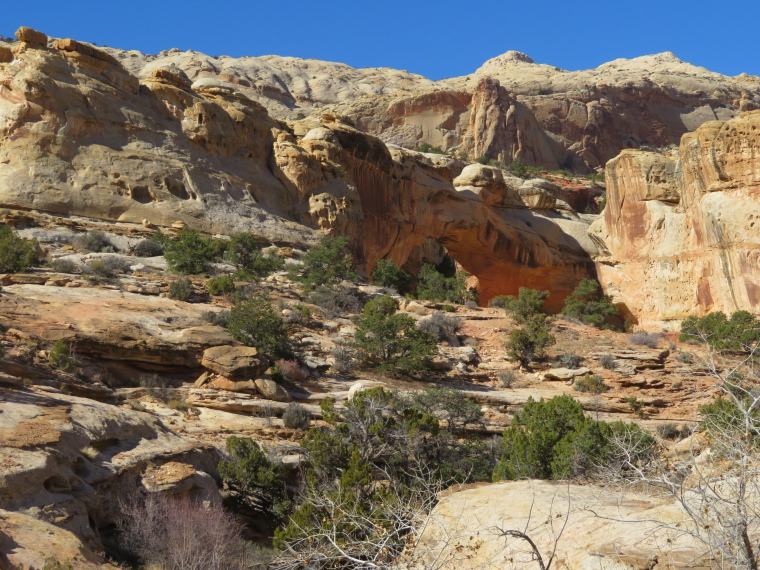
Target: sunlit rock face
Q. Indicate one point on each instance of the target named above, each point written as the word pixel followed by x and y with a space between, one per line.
pixel 680 233
pixel 81 135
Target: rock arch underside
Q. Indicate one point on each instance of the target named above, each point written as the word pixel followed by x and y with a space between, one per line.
pixel 116 136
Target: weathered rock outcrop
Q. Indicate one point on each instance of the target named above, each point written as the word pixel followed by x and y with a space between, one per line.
pixel 166 150
pixel 79 134
pixel 68 461
pixel 678 236
pixel 511 107
pixel 464 529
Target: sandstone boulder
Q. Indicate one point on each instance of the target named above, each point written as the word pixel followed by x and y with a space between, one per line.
pixel 235 361
pixel 272 390
pixel 564 373
pixel 176 478
pixel 464 529
pixel 488 184
pixel 31 36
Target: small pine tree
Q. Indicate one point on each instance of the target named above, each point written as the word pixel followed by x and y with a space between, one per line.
pixel 326 263
pixel 588 303
pixel 16 254
pixel 254 323
pixel 387 274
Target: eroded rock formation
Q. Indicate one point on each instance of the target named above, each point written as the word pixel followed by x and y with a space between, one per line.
pixel 511 107
pixel 679 235
pixel 79 134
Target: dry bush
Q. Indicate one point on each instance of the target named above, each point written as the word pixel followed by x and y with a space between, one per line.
pixel 643 338
pixel 177 533
pixel 292 371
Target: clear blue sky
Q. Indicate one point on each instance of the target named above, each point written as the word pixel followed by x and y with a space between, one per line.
pixel 435 39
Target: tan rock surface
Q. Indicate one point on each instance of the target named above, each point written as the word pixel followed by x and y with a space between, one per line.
pixel 114 325
pixel 463 532
pixel 235 361
pixel 67 461
pixel 511 107
pixel 678 236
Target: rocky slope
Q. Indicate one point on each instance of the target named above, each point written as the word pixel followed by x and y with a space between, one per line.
pixel 510 108
pixel 156 390
pixel 678 235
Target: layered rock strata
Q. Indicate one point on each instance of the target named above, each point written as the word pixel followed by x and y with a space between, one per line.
pixel 80 135
pixel 679 235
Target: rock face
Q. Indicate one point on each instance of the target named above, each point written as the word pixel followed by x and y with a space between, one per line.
pixel 678 236
pixel 107 146
pixel 67 462
pixel 511 107
pixel 463 532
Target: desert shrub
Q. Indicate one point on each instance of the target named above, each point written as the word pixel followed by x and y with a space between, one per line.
pixel 16 254
pixel 344 356
pixel 61 356
pixel 528 304
pixel 432 285
pixel 149 248
pixel 244 252
pixel 296 416
pixel 506 378
pixel 588 303
pixel 673 431
pixel 520 169
pixel 569 360
pixel 326 264
pixel 440 325
pixel 107 267
pixel 592 383
pixel 427 147
pixel 643 338
pixel 723 334
pixel 64 266
pixel 447 405
pixel 218 318
pixel 499 301
pixel 192 252
pixel 302 311
pixel 376 431
pixel 553 439
pixel 608 361
pixel 178 533
pixel 292 371
pixel 181 289
pixel 529 342
pixel 220 285
pixel 335 300
pixel 636 405
pixel 53 564
pixel 386 274
pixel 448 308
pixel 96 241
pixel 254 323
pixel 685 357
pixel 256 484
pixel 390 341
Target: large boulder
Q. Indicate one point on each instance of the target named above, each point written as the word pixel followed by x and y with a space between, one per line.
pixel 464 530
pixel 235 362
pixel 272 390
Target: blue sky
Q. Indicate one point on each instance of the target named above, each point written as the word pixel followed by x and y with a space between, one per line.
pixel 435 39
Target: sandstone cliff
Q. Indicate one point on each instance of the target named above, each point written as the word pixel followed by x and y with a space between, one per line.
pixel 678 236
pixel 80 135
pixel 511 107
